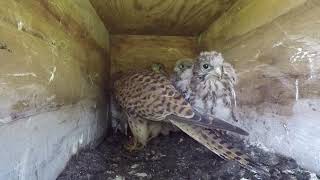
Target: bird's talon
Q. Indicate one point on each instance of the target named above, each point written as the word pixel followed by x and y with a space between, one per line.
pixel 133 146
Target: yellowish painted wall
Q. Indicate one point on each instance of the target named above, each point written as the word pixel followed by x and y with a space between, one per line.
pixel 137 52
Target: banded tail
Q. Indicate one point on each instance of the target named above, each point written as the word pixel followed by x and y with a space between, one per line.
pixel 213 141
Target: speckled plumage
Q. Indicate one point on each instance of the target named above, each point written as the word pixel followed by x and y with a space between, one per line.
pixel 148 96
pixel 157 128
pixel 120 122
pixel 211 90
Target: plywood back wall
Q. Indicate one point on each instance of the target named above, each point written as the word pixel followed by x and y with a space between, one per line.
pixel 137 52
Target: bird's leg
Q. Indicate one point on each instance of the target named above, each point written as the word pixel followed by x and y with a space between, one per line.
pixel 134 145
pixel 139 129
pixel 154 129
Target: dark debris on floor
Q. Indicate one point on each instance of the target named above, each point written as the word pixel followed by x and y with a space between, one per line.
pixel 176 157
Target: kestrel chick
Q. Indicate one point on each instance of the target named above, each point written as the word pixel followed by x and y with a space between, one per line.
pixel 182 76
pixel 182 65
pixel 147 96
pixel 212 86
pixel 159 68
pixel 118 117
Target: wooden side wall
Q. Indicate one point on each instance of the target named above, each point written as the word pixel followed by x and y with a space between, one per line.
pixel 274 47
pixel 53 61
pixel 243 17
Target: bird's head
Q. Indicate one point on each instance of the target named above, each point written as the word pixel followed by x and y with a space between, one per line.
pixel 158 68
pixel 182 65
pixel 209 65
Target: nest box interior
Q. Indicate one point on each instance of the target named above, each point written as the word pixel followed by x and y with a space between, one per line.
pixel 57 58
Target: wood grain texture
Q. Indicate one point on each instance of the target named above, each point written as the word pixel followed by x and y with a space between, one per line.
pixel 159 17
pixel 136 52
pixel 243 17
pixel 53 53
pixel 279 75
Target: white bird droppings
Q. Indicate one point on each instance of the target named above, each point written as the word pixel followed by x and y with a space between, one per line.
pixel 141 174
pixel 52 74
pixel 20 25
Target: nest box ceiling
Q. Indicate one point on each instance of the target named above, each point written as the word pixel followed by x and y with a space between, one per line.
pixel 160 17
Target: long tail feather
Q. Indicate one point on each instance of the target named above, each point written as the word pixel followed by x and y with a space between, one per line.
pixel 213 141
pixel 209 122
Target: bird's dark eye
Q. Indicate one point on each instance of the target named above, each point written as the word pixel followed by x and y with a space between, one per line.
pixel 205 66
pixel 181 66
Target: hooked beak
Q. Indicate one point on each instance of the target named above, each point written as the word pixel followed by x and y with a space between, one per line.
pixel 214 75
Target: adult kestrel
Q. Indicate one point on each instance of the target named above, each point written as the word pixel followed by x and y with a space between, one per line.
pixel 148 96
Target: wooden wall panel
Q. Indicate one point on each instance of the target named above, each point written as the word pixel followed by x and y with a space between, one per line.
pixel 60 47
pixel 278 67
pixel 53 56
pixel 243 17
pixel 159 17
pixel 136 52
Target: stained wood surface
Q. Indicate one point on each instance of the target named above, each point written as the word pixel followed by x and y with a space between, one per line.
pixel 136 52
pixel 243 17
pixel 52 54
pixel 279 74
pixel 159 17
